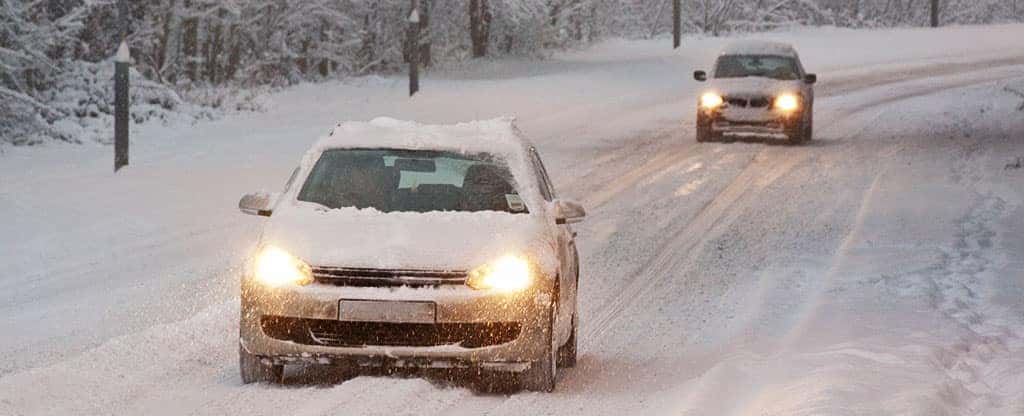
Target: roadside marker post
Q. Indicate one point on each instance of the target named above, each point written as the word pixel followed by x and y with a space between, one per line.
pixel 122 60
pixel 121 63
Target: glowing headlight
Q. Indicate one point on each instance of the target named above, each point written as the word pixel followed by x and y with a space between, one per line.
pixel 275 267
pixel 787 103
pixel 711 100
pixel 507 274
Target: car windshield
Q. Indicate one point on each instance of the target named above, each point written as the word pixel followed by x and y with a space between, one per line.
pixel 411 181
pixel 768 66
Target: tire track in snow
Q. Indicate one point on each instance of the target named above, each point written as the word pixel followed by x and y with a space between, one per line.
pixel 956 284
pixel 608 162
pixel 721 209
pixel 695 232
pixel 768 165
pixel 955 287
pixel 842 85
pixel 952 286
pixel 926 90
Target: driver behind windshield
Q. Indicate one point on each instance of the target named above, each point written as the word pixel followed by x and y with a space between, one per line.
pixel 768 66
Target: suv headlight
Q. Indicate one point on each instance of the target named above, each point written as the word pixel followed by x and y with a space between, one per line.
pixel 507 274
pixel 711 100
pixel 787 103
pixel 275 267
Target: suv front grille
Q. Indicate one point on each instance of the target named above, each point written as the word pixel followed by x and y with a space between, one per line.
pixel 737 102
pixel 347 276
pixel 360 334
pixel 753 102
pixel 759 102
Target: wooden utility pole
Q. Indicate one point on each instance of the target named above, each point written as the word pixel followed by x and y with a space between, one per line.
pixel 935 13
pixel 414 49
pixel 677 24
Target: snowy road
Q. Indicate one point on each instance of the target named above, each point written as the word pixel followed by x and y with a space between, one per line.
pixel 877 270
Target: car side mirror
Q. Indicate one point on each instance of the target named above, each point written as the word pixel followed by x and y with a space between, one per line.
pixel 568 212
pixel 260 203
pixel 810 79
pixel 700 76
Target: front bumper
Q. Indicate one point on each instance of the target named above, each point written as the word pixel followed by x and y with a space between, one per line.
pixel 286 325
pixel 749 128
pixel 751 122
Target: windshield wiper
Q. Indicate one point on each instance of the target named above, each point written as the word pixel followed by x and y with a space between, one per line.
pixel 316 205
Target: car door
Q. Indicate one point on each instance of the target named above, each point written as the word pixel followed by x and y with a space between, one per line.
pixel 566 242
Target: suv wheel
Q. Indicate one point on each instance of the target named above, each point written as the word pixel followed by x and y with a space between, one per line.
pixel 798 133
pixel 809 128
pixel 567 352
pixel 542 374
pixel 253 370
pixel 704 132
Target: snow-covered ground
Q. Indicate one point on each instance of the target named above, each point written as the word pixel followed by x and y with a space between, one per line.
pixel 877 270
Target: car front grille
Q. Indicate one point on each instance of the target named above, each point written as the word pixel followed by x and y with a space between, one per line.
pixel 744 102
pixel 759 102
pixel 359 277
pixel 737 102
pixel 360 334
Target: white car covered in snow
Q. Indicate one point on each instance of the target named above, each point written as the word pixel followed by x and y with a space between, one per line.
pixel 403 244
pixel 757 89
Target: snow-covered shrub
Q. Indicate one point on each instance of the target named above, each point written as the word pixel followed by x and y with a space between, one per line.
pixel 227 99
pixel 83 100
pixel 21 124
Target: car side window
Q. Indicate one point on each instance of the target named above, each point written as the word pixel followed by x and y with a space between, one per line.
pixel 543 181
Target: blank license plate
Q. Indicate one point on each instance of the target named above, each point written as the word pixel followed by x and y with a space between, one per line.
pixel 386 311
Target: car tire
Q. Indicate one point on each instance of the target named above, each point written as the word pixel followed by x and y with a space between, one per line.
pixel 543 373
pixel 253 370
pixel 795 135
pixel 809 128
pixel 704 132
pixel 802 133
pixel 567 352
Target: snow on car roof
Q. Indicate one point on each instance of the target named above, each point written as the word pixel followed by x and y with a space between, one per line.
pixel 497 136
pixel 759 47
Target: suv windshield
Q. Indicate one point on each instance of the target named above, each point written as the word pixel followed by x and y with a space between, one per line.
pixel 768 66
pixel 411 181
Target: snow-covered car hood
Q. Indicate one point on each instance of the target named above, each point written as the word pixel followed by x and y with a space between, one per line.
pixel 753 86
pixel 368 238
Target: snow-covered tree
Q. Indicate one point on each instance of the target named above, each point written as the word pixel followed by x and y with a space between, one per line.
pixel 36 39
pixel 47 47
